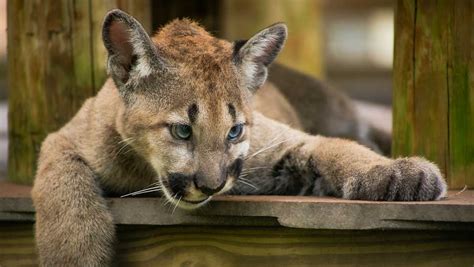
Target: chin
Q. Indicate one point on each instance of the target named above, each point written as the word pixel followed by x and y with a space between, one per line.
pixel 189 204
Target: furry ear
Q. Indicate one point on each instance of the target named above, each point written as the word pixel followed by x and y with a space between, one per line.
pixel 131 51
pixel 255 55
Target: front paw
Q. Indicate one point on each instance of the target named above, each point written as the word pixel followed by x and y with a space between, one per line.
pixel 404 179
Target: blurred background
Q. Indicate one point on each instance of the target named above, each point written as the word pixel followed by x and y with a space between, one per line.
pixel 347 43
pixel 3 89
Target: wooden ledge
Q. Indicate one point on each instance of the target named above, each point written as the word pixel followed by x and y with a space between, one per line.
pixel 454 213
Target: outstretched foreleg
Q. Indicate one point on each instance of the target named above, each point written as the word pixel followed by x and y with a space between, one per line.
pixel 299 164
pixel 73 225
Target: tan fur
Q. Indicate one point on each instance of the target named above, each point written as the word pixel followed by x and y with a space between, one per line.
pixel 120 140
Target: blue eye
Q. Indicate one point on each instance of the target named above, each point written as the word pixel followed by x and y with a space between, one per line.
pixel 235 132
pixel 181 131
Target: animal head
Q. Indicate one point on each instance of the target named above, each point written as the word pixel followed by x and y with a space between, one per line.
pixel 187 100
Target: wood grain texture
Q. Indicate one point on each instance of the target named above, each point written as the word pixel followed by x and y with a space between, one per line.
pixel 403 79
pixel 434 85
pixel 454 213
pixel 55 61
pixel 461 94
pixel 262 246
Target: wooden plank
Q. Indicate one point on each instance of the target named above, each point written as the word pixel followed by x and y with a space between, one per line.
pixel 434 85
pixel 228 246
pixel 49 75
pixel 403 79
pixel 98 9
pixel 262 246
pixel 454 213
pixel 430 86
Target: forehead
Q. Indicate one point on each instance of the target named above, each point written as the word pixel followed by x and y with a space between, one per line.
pixel 211 107
pixel 184 41
pixel 203 73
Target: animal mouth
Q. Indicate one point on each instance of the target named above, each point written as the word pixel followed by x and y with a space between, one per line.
pixel 197 201
pixel 187 203
pixel 182 201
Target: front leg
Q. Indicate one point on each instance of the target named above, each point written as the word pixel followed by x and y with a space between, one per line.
pixel 302 164
pixel 355 172
pixel 74 227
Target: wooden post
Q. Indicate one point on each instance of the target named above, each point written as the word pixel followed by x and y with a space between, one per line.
pixel 434 85
pixel 55 61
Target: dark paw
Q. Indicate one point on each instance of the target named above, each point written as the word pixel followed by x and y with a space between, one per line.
pixel 405 179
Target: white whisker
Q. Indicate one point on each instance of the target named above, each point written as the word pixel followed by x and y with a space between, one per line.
pixel 152 186
pixel 125 140
pixel 177 204
pixel 143 191
pixel 248 184
pixel 265 149
pixel 256 168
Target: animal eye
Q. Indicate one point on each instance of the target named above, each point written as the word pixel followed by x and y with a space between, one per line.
pixel 235 132
pixel 181 131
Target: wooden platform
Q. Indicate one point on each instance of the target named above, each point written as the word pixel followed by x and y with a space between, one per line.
pixel 456 212
pixel 267 231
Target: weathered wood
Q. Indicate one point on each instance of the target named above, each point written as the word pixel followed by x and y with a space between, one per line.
pixel 243 18
pixel 56 60
pixel 434 85
pixel 454 213
pixel 259 246
pixel 49 58
pixel 461 94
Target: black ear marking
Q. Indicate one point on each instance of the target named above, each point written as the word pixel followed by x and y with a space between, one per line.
pixel 237 46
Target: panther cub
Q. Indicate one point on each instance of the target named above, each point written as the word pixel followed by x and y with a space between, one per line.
pixel 178 112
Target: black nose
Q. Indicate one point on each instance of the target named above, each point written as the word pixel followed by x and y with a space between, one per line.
pixel 207 187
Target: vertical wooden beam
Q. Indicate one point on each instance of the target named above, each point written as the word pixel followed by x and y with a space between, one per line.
pixel 303 47
pixel 434 85
pixel 461 94
pixel 55 61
